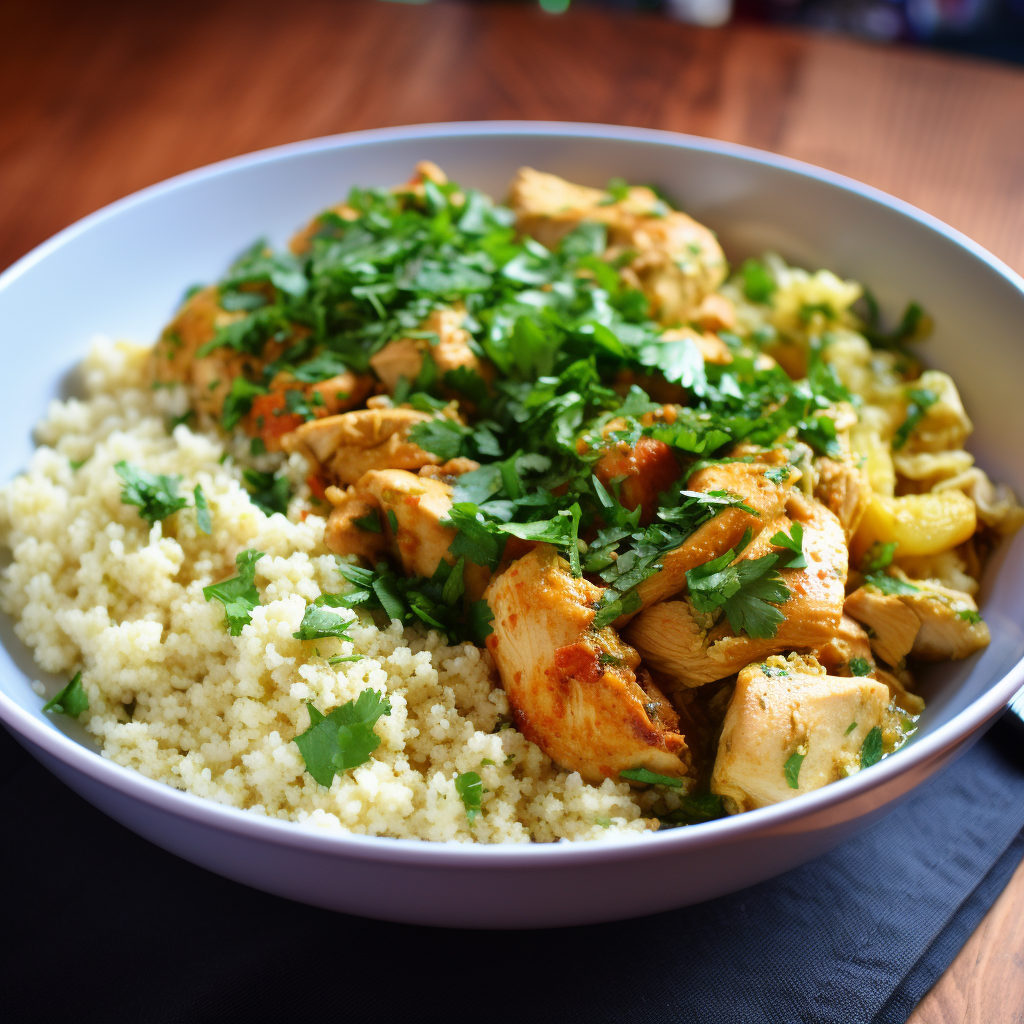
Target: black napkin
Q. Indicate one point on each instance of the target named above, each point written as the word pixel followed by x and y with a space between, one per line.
pixel 108 927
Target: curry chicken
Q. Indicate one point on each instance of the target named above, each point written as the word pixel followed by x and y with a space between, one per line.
pixel 706 523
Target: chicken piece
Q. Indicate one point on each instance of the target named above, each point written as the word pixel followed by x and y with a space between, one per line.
pixel 845 489
pixel 686 646
pixel 344 447
pixel 674 260
pixel 192 327
pixel 891 625
pixel 928 621
pixel 574 691
pixel 404 356
pixel 950 626
pixel 849 642
pixel 345 536
pixel 786 708
pixel 715 537
pixel 418 504
pixel 710 346
pixel 452 469
pixel 715 313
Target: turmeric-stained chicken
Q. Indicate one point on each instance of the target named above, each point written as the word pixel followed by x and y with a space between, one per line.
pixel 555 429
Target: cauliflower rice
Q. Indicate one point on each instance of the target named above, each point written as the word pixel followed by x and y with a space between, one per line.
pixel 173 695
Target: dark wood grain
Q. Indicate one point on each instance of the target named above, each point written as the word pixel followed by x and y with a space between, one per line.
pixel 97 101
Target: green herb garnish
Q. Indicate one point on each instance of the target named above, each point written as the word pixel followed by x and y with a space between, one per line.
pixel 871 748
pixel 238 594
pixel 335 743
pixel 156 496
pixel 71 700
pixel 791 769
pixel 651 778
pixel 860 667
pixel 470 788
pixel 318 623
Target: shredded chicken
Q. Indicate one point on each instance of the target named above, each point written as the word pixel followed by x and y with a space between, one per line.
pixel 576 692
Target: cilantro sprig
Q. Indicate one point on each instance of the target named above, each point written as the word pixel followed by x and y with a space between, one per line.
pixel 238 594
pixel 71 700
pixel 344 739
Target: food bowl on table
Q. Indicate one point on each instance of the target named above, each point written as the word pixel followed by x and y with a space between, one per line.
pixel 120 273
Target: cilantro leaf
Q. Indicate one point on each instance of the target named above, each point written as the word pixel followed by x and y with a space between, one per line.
pixel 890 584
pixel 318 623
pixel 238 402
pixel 758 282
pixel 608 610
pixel 860 667
pixel 791 769
pixel 442 437
pixel 969 615
pixel 793 558
pixel 71 700
pixel 652 778
pixel 204 521
pixel 268 493
pixel 480 618
pixel 878 556
pixel 155 495
pixel 370 522
pixel 470 788
pixel 475 540
pixel 238 594
pixel 335 743
pixel 850 728
pixel 871 748
pixel 747 592
pixel 920 401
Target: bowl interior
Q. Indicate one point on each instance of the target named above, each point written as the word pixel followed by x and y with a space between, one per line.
pixel 122 272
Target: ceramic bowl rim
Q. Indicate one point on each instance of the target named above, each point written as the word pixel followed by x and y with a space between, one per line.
pixel 204 811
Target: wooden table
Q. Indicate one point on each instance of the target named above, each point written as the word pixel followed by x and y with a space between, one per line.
pixel 94 105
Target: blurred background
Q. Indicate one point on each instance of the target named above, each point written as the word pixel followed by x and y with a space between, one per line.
pixel 986 28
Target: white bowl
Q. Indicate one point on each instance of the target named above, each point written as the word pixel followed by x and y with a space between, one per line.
pixel 121 271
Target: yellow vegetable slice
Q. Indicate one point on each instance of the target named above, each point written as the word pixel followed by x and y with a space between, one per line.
pixel 921 524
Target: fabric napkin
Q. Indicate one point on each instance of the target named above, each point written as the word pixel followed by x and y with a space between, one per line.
pixel 108 927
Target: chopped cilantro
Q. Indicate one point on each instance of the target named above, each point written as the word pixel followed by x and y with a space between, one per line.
pixel 71 700
pixel 969 615
pixel 791 769
pixel 652 778
pixel 860 667
pixel 878 556
pixel 370 522
pixel 850 728
pixel 919 402
pixel 268 493
pixel 76 464
pixel 608 659
pixel 871 748
pixel 470 788
pixel 890 584
pixel 793 557
pixel 335 743
pixel 318 623
pixel 758 282
pixel 693 809
pixel 238 594
pixel 238 402
pixel 747 592
pixel 156 496
pixel 204 521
